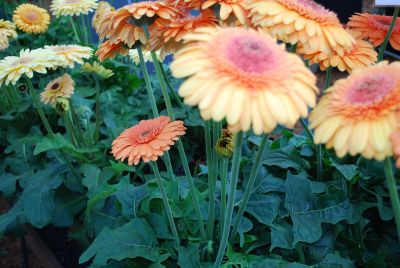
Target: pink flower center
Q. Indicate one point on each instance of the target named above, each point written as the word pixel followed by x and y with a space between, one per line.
pixel 72 1
pixel 371 89
pixel 249 54
pixel 147 135
pixel 383 23
pixel 31 16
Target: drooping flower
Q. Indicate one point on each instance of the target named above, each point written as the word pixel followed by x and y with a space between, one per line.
pixel 97 69
pixel 7 31
pixel 147 140
pixel 103 8
pixel 228 7
pixel 109 50
pixel 61 105
pixel 395 139
pixel 361 55
pixel 375 27
pixel 28 62
pixel 31 19
pixel 186 4
pixel 358 114
pixel 71 54
pixel 225 145
pixel 61 87
pixel 301 21
pixel 72 7
pixel 167 35
pixel 133 54
pixel 245 76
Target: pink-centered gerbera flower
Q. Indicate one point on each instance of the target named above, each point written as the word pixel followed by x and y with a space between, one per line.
pixel 147 140
pixel 109 50
pixel 395 139
pixel 228 7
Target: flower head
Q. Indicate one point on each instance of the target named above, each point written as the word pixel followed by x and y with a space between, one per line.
pixel 31 19
pixel 362 54
pixel 98 69
pixel 61 87
pixel 7 30
pixel 147 140
pixel 134 55
pixel 245 76
pixel 395 140
pixel 61 105
pixel 358 114
pixel 109 50
pixel 167 35
pixel 72 7
pixel 375 27
pixel 225 145
pixel 103 8
pixel 228 7
pixel 28 62
pixel 71 54
pixel 302 21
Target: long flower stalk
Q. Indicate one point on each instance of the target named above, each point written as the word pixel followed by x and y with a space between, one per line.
pixel 98 117
pixel 394 195
pixel 211 179
pixel 389 33
pixel 70 131
pixel 78 39
pixel 171 89
pixel 224 173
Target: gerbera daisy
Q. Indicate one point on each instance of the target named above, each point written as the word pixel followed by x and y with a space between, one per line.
pixel 395 139
pixel 147 140
pixel 358 114
pixel 227 7
pixel 186 4
pixel 375 27
pixel 31 19
pixel 98 69
pixel 108 50
pixel 72 7
pixel 12 67
pixel 362 54
pixel 302 21
pixel 60 87
pixel 103 8
pixel 7 30
pixel 167 35
pixel 71 54
pixel 245 76
pixel 133 54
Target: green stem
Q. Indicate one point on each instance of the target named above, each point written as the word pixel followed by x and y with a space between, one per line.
pixel 98 118
pixel 166 203
pixel 211 184
pixel 328 78
pixel 394 195
pixel 174 94
pixel 89 129
pixel 181 150
pixel 69 128
pixel 307 129
pixel 76 123
pixel 75 30
pixel 389 33
pixel 249 186
pixel 231 198
pixel 84 29
pixel 224 172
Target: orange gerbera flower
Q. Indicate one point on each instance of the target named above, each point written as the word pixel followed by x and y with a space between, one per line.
pixel 228 7
pixel 126 23
pixel 361 55
pixel 375 27
pixel 245 76
pixel 302 21
pixel 109 50
pixel 395 139
pixel 167 34
pixel 147 140
pixel 358 114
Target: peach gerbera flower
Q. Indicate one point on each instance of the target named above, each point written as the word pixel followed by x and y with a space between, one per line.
pixel 62 87
pixel 103 8
pixel 358 114
pixel 147 140
pixel 31 19
pixel 395 139
pixel 228 7
pixel 108 50
pixel 243 75
pixel 375 27
pixel 71 54
pixel 302 21
pixel 167 34
pixel 362 54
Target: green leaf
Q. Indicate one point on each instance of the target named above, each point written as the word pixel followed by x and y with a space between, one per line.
pixel 7 184
pixel 134 239
pixel 264 207
pixel 67 205
pixel 271 263
pixel 10 216
pixel 95 178
pixel 348 171
pixel 281 236
pixel 189 257
pixel 130 196
pixel 285 158
pixel 333 260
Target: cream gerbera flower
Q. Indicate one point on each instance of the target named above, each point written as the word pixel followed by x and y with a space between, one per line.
pixel 133 54
pixel 31 19
pixel 71 54
pixel 98 69
pixel 358 114
pixel 72 7
pixel 245 76
pixel 7 31
pixel 28 62
pixel 103 8
pixel 62 87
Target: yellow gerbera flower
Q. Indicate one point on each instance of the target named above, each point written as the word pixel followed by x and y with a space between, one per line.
pixel 31 19
pixel 104 8
pixel 133 54
pixel 245 76
pixel 61 87
pixel 72 7
pixel 97 69
pixel 71 54
pixel 7 30
pixel 38 60
pixel 358 114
